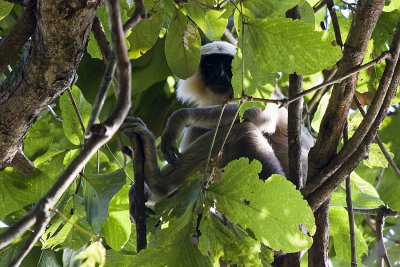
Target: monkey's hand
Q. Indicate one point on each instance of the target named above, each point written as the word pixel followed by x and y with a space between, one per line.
pixel 175 124
pixel 169 149
pixel 134 125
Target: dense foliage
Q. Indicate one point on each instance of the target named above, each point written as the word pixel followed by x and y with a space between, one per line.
pixel 92 225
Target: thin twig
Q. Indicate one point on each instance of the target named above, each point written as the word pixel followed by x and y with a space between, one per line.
pixel 215 136
pixel 382 253
pixel 53 113
pixel 78 114
pixel 319 5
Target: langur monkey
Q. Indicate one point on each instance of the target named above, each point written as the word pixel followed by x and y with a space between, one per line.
pixel 262 135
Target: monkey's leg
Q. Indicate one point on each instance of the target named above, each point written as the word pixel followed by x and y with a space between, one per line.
pixel 246 140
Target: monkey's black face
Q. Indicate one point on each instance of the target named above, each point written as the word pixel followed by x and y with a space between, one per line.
pixel 216 70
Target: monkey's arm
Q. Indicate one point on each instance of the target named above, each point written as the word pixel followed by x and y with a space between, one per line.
pixel 161 183
pixel 208 117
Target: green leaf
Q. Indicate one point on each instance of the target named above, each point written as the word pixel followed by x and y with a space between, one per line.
pixel 93 48
pixel 182 254
pixel 150 69
pixel 39 138
pixel 145 34
pixel 5 8
pixel 262 8
pixel 209 21
pixel 171 245
pixel 363 194
pixel 257 82
pixel 95 255
pixel 178 215
pixel 115 258
pixel 62 234
pixel 99 190
pixel 117 228
pixel 229 243
pixel 272 210
pixel 339 230
pixel 306 51
pixel 72 127
pixel 319 114
pixel 182 46
pixel 307 13
pixel 391 5
pixel 18 191
pixel 376 157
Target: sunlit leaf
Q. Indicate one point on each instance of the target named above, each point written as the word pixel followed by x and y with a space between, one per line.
pixel 272 210
pixel 339 230
pixel 182 46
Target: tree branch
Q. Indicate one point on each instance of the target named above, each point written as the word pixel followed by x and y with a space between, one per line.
pixel 336 114
pixel 101 38
pixel 349 202
pixel 325 190
pixel 139 14
pixel 46 70
pixel 354 143
pixel 110 126
pixel 17 37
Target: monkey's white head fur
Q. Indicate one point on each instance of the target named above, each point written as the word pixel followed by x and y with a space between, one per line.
pixel 193 89
pixel 218 47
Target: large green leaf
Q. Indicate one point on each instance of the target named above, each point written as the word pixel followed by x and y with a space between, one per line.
pixel 339 230
pixel 72 127
pixel 182 254
pixel 93 48
pixel 99 190
pixel 229 243
pixel 117 228
pixel 145 34
pixel 272 210
pixel 171 245
pixel 115 258
pixel 363 194
pixel 262 8
pixel 257 82
pixel 5 8
pixel 182 46
pixel 209 21
pixel 62 234
pixel 17 190
pixel 285 45
pixel 150 69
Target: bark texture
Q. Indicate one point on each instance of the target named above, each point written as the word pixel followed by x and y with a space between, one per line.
pixel 47 68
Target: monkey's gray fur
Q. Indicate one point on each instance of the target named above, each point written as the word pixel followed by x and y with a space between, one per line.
pixel 262 135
